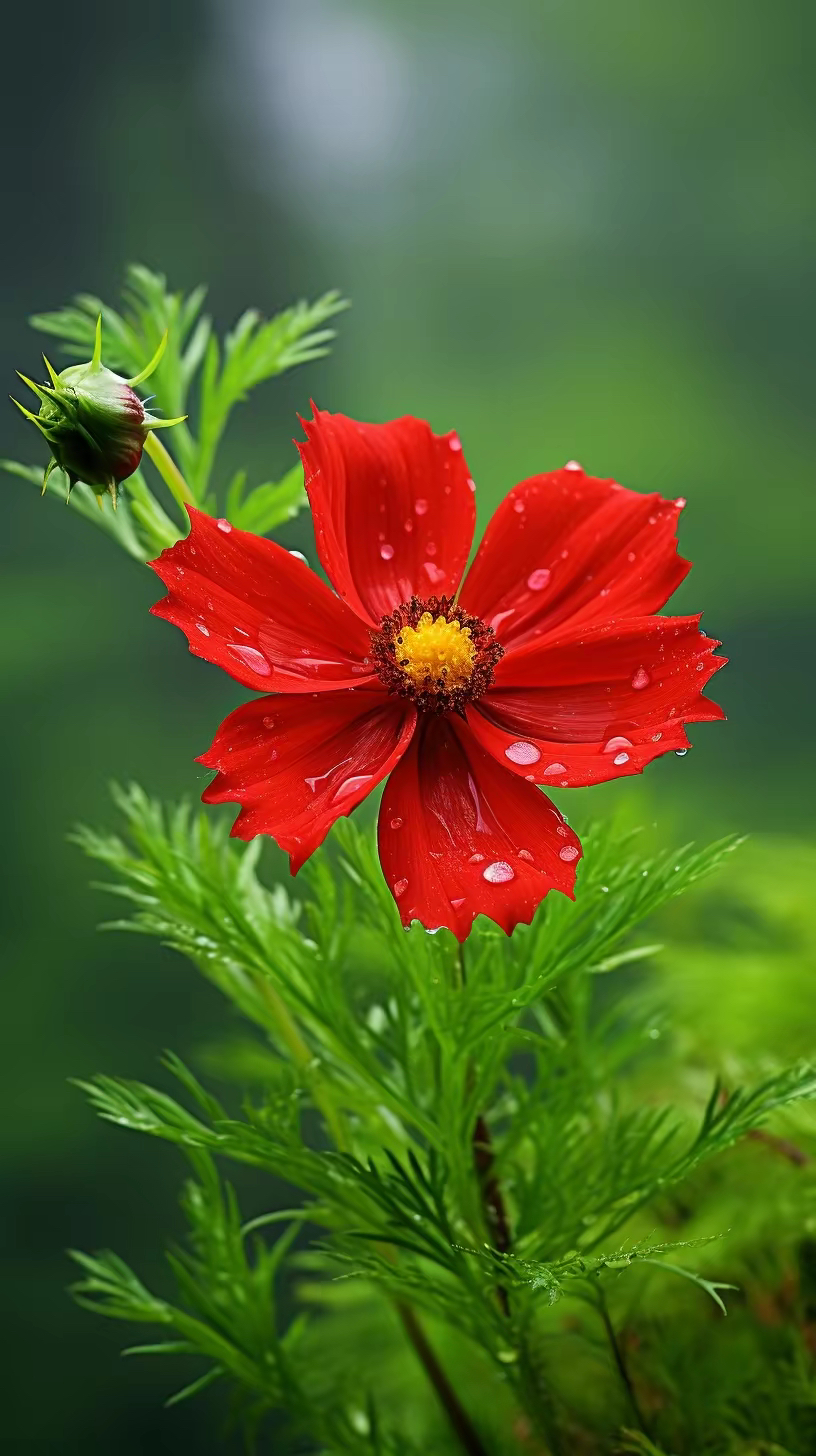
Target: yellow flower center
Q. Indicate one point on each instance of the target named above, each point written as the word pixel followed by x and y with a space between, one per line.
pixel 436 653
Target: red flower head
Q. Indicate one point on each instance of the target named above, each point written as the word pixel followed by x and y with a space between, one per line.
pixel 548 666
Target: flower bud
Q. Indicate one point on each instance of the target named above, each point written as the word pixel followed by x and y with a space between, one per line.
pixel 94 421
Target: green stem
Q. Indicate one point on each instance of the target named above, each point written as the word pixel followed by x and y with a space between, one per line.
pixel 169 471
pixel 302 1057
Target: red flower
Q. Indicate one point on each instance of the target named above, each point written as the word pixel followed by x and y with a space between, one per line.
pixel 548 667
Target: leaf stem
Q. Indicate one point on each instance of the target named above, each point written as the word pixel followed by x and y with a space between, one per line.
pixel 169 471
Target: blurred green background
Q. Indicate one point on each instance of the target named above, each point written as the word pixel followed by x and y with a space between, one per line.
pixel 568 230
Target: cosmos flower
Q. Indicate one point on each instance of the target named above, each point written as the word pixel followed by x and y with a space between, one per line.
pixel 545 666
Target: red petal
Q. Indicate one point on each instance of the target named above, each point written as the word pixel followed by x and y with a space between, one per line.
pixel 393 509
pixel 598 703
pixel 459 837
pixel 296 764
pixel 259 612
pixel 566 546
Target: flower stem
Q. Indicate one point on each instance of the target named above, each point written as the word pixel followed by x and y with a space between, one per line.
pixel 169 471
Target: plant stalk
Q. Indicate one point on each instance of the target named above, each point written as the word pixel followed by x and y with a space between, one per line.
pixel 169 471
pixel 620 1362
pixel 457 1415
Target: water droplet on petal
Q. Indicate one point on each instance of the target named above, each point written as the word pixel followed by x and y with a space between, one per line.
pixel 518 507
pixel 408 527
pixel 573 465
pixel 268 722
pixel 351 786
pixel 471 484
pixel 569 852
pixel 562 830
pixel 621 758
pixel 224 526
pixel 421 507
pixel 434 573
pixel 455 443
pixel 457 904
pixel 613 745
pixel 386 551
pixel 656 737
pixel 476 858
pixel 205 631
pixel 525 854
pixel 630 556
pixel 400 887
pixel 641 679
pixel 499 873
pixel 298 555
pixel 251 658
pixel 522 753
pixel 681 752
pixel 396 823
pixel 555 768
pixel 537 580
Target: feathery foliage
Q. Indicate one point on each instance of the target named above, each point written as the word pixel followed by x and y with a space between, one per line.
pixel 469 1141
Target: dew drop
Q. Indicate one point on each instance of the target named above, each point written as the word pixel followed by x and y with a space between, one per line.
pixel 522 753
pixel 457 904
pixel 471 484
pixel 537 580
pixel 621 758
pixel 400 887
pixel 268 722
pixel 499 873
pixel 476 858
pixel 396 823
pixel 613 745
pixel 562 830
pixel 554 768
pixel 350 786
pixel 641 679
pixel 251 658
pixel 298 555
pixel 681 752
pixel 455 443
pixel 421 507
pixel 630 556
pixel 224 526
pixel 408 527
pixel 434 573
pixel 569 852
pixel 205 631
pixel 525 854
pixel 386 551
pixel 573 465
pixel 656 737
pixel 518 507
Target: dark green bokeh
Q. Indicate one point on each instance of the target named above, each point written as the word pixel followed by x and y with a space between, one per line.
pixel 569 231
